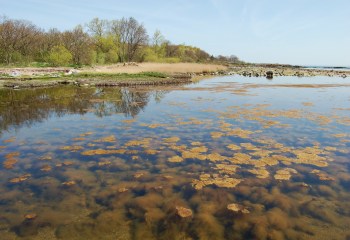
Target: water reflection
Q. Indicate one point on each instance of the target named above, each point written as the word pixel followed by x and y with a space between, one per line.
pixel 28 106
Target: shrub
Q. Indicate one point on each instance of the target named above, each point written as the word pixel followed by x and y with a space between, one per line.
pixel 59 56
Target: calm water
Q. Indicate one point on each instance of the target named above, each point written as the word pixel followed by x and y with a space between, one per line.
pixel 225 158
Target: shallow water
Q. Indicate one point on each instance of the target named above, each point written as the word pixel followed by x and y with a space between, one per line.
pixel 224 158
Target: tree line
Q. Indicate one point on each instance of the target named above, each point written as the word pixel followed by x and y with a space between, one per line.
pixel 97 42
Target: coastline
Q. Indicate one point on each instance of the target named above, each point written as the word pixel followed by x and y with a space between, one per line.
pixel 133 74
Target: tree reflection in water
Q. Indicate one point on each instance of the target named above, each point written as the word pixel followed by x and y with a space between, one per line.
pixel 28 106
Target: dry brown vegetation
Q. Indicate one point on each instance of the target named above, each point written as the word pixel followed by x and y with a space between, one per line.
pixel 157 67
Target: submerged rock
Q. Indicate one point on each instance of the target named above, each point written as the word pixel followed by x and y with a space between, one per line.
pixel 184 212
pixel 30 216
pixel 237 208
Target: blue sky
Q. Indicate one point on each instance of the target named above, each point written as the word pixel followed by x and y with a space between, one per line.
pixel 304 32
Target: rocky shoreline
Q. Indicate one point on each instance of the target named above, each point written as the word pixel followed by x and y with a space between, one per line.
pixel 95 81
pixel 283 70
pixel 14 78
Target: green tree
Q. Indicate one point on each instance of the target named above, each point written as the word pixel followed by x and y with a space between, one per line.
pixel 60 56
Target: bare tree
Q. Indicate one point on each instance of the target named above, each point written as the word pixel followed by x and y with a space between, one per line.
pixel 97 27
pixel 131 35
pixel 79 44
pixel 17 37
pixel 157 41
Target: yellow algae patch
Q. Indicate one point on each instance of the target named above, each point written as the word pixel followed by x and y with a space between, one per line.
pixel 330 149
pixel 225 124
pixel 9 163
pixel 261 153
pixel 109 139
pixel 340 135
pixel 233 147
pixel 154 125
pixel 194 155
pixel 284 174
pixel 260 172
pixel 206 179
pixel 79 139
pixel 193 121
pixel 30 216
pixel 129 121
pixel 10 160
pixel 151 151
pixel 239 132
pixel 241 158
pixel 178 147
pixel 12 154
pixel 46 168
pixel 103 152
pixel 73 148
pixel 270 123
pixel 307 104
pixel 86 134
pixel 45 158
pixel 215 157
pixel 216 134
pixel 10 140
pixel 249 146
pixel 308 157
pixel 131 152
pixel 21 178
pixel 226 168
pixel 171 139
pixel 69 183
pixel 270 161
pixel 322 176
pixel 234 207
pixel 122 190
pixel 201 149
pixel 104 163
pixel 135 158
pixel 175 159
pixel 144 142
pixel 323 120
pixel 2 147
pixel 138 175
pixel 196 143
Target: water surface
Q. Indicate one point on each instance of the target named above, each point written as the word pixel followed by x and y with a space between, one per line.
pixel 225 158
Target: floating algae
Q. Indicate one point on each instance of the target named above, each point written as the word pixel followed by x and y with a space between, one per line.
pixel 10 160
pixel 45 158
pixel 216 134
pixel 175 159
pixel 102 152
pixel 260 172
pixel 171 139
pixel 46 168
pixel 69 183
pixel 108 139
pixel 284 174
pixel 73 148
pixel 233 147
pixel 221 182
pixel 226 168
pixel 237 208
pixel 21 178
pixel 322 176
